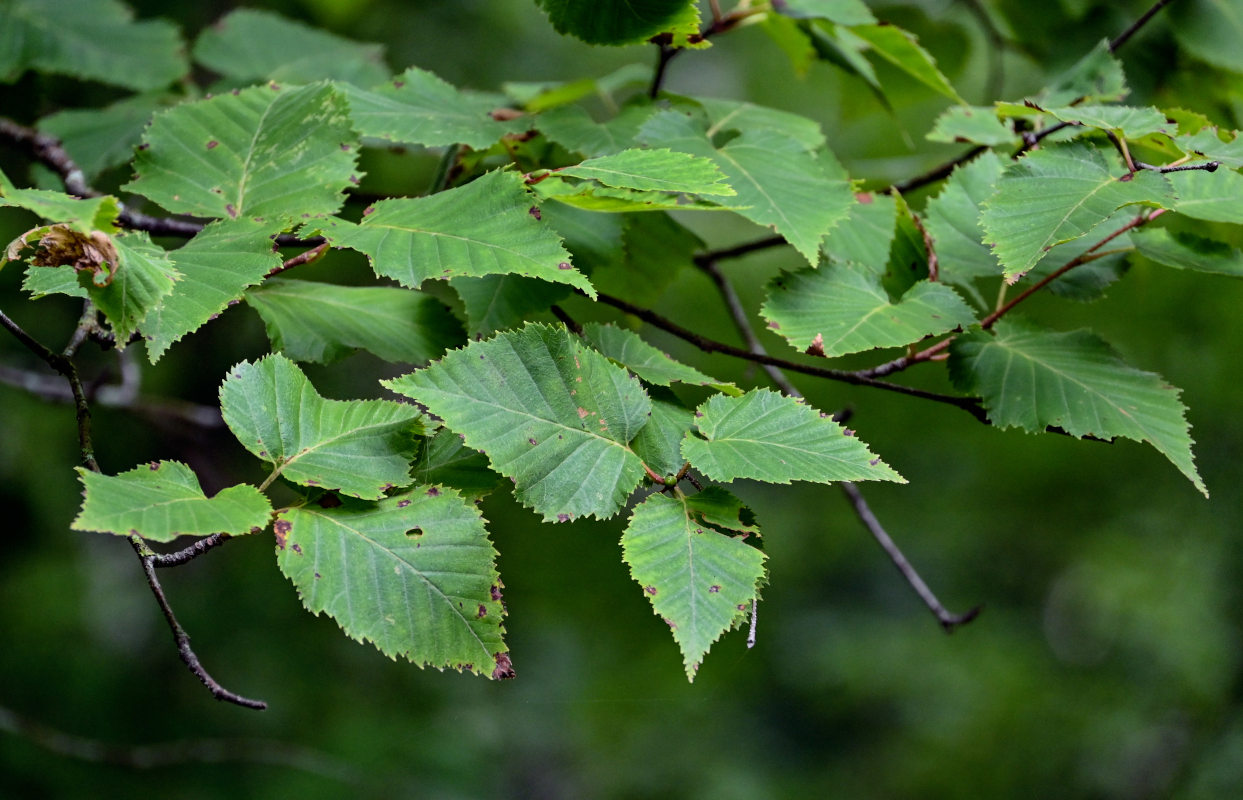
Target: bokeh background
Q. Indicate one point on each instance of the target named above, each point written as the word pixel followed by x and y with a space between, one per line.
pixel 1106 663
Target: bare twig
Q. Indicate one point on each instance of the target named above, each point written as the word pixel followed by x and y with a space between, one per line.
pixel 172 754
pixel 65 367
pixel 1135 26
pixel 182 639
pixel 741 322
pixel 948 620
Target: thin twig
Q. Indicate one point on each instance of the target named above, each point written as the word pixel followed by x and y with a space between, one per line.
pixel 305 257
pixel 180 637
pixel 742 323
pixel 190 552
pixel 172 754
pixel 969 404
pixel 50 388
pixel 1123 37
pixel 949 621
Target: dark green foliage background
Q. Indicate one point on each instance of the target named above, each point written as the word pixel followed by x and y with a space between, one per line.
pixel 1106 663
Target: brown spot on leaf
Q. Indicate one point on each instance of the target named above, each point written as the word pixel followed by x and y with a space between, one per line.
pixel 650 590
pixel 535 212
pixel 155 465
pixel 504 669
pixel 403 503
pixel 368 210
pixel 713 589
pixel 483 611
pixel 213 144
pixel 297 548
pixel 496 593
pixel 231 209
pixel 563 518
pixel 564 265
pixel 345 147
pixel 281 529
pixel 398 84
pixel 582 412
pixel 532 441
pixel 816 348
pixel 874 461
pixel 433 492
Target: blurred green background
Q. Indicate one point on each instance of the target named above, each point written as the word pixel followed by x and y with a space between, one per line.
pixel 1106 663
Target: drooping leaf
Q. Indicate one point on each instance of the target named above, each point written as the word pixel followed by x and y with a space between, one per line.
pixel 252 45
pixel 907 264
pixel 1210 196
pixel 953 220
pixel 417 107
pixel 447 461
pixel 1187 251
pixel 842 12
pixel 550 413
pixel 216 266
pixel 619 22
pixel 361 448
pixel 653 170
pixel 483 228
pixel 162 500
pixel 313 321
pixel 1132 122
pixel 792 37
pixel 414 574
pixel 1058 194
pixel 593 197
pixel 628 349
pixel 144 277
pixel 102 138
pixel 659 442
pixel 1211 31
pixel 836 310
pixel 902 49
pixel 1033 378
pixel 91 39
pixel 770 437
pixel 262 152
pixel 778 183
pixel 700 579
pixel 494 302
pixel 971 125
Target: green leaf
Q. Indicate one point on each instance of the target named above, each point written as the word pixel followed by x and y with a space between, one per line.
pixel 84 215
pixel 550 413
pixel 90 39
pixel 792 37
pixel 741 116
pixel 322 322
pixel 1211 30
pixel 971 125
pixel 836 310
pixel 1132 122
pixel 216 266
pixel 362 448
pixel 252 45
pixel 1210 196
pixel 770 437
pixel 575 130
pixel 591 197
pixel 144 277
pixel 494 302
pixel 447 461
pixel 1033 379
pixel 902 49
pixel 699 579
pixel 1095 78
pixel 778 183
pixel 1058 194
pixel 262 152
pixel 842 12
pixel 102 138
pixel 162 500
pixel 1188 251
pixel 656 248
pixel 628 349
pixel 413 574
pixel 659 442
pixel 1209 143
pixel 483 228
pixel 618 22
pixel 952 219
pixel 655 170
pixel 417 107
pixel 537 96
pixel 864 238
